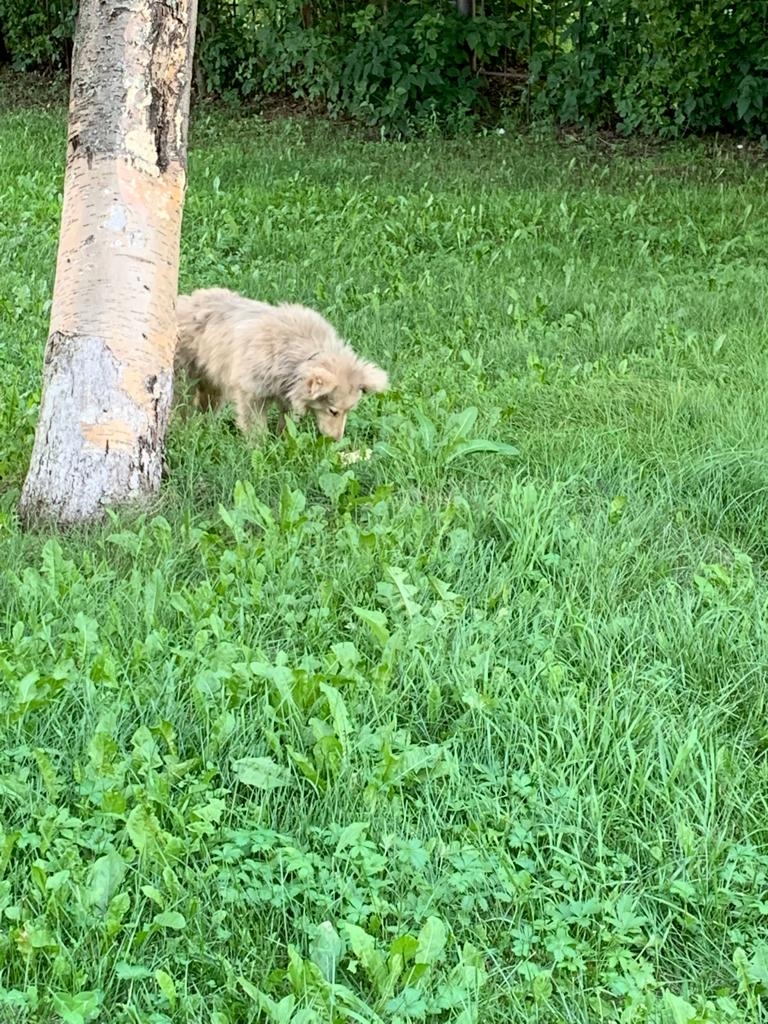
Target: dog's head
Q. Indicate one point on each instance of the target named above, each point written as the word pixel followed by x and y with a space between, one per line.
pixel 332 385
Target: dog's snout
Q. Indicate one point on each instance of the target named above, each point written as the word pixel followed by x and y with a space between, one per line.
pixel 342 422
pixel 332 427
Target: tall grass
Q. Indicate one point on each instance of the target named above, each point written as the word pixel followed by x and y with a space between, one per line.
pixel 472 730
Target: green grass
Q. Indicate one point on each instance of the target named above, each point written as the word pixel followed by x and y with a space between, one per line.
pixel 500 720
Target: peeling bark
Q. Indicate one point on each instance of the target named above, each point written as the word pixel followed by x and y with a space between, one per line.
pixel 108 370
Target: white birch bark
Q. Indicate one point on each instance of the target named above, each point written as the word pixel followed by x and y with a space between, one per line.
pixel 108 369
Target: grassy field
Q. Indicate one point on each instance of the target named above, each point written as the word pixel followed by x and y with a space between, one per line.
pixel 475 730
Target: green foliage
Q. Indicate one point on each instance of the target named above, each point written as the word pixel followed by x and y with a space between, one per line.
pixel 251 50
pixel 469 730
pixel 655 67
pixel 410 67
pixel 38 35
pixel 403 69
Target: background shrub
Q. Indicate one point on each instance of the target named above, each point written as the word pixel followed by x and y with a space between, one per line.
pixel 634 65
pixel 37 35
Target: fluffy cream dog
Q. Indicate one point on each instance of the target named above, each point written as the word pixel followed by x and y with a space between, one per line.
pixel 251 353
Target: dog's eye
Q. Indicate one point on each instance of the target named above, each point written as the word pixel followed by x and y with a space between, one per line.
pixel 334 412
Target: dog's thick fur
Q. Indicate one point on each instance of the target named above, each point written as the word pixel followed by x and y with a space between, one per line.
pixel 251 353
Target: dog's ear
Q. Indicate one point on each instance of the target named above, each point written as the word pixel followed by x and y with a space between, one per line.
pixel 319 382
pixel 374 379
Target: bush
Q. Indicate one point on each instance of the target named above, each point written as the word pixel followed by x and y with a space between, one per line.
pixel 398 69
pixel 636 65
pixel 654 66
pixel 410 66
pixel 37 36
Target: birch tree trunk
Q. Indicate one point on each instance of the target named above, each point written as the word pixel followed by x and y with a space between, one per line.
pixel 108 369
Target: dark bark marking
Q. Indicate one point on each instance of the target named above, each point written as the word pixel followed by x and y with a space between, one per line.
pixel 158 118
pixel 166 31
pixel 51 349
pixel 158 123
pixel 147 455
pixel 172 7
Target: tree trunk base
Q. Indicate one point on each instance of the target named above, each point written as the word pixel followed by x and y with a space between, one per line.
pixel 95 446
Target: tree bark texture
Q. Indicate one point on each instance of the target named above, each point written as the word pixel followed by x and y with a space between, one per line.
pixel 108 369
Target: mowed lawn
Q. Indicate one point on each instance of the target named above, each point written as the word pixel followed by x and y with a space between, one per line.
pixel 472 730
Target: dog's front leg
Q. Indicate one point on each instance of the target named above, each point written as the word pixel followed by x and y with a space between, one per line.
pixel 207 398
pixel 280 427
pixel 250 413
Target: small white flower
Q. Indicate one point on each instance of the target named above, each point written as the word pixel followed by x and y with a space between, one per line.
pixel 500 131
pixel 362 455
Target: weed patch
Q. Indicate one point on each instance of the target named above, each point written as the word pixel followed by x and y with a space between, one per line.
pixel 463 719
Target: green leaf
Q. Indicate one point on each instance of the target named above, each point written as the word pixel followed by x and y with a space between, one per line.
pixel 87 627
pixel 261 772
pixel 47 774
pixel 130 542
pixel 410 1003
pixel 166 985
pixel 460 424
pixel 481 445
pixel 350 835
pixel 404 946
pixel 346 654
pixel 326 950
pixel 143 829
pixel 431 941
pixel 104 879
pixel 132 972
pixel 681 1011
pixel 342 725
pixel 364 948
pixel 250 990
pixel 333 485
pixel 77 1009
pixel 376 622
pixel 305 766
pixel 276 1012
pixel 403 590
pixel 170 919
pixel 7 842
pixel 27 999
pixel 154 894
